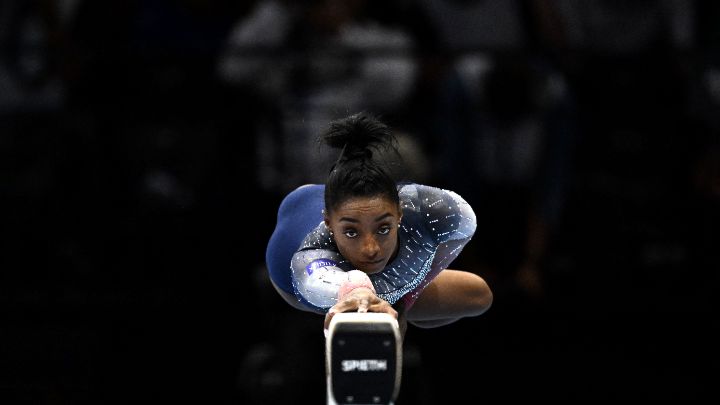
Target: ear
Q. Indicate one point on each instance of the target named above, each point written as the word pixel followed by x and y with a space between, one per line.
pixel 326 218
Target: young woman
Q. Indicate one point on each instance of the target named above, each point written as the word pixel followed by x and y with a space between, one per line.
pixel 362 242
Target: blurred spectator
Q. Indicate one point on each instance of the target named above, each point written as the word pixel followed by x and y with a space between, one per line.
pixel 703 220
pixel 477 25
pixel 312 61
pixel 631 66
pixel 618 27
pixel 500 119
pixel 513 153
pixel 30 35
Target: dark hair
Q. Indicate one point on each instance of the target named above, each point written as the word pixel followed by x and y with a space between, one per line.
pixel 356 173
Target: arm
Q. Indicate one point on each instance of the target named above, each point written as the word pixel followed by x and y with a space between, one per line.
pixel 448 295
pixel 324 288
pixel 317 278
pixel 449 223
pixel 452 295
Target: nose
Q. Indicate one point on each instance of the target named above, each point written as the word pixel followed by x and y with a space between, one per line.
pixel 370 248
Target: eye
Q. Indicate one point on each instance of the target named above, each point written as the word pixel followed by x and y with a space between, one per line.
pixel 350 233
pixel 384 230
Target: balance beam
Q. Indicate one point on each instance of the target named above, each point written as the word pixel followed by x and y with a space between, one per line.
pixel 363 359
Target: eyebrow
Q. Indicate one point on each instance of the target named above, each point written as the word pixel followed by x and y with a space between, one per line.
pixel 353 220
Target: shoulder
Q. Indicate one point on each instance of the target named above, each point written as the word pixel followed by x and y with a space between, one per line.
pixel 302 195
pixel 443 212
pixel 305 190
pixel 428 196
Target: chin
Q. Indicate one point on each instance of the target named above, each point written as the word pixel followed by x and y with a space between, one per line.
pixel 373 270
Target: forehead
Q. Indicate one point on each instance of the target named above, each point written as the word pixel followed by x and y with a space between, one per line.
pixel 366 206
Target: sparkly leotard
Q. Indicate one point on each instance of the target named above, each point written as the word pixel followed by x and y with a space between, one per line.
pixel 435 226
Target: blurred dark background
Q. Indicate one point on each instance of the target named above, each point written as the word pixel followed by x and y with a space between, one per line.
pixel 145 146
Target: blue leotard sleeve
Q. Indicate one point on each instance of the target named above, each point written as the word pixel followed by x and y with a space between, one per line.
pixel 299 213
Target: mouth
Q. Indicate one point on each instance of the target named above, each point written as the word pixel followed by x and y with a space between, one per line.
pixel 373 266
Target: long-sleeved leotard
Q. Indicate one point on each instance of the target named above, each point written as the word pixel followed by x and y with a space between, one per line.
pixel 435 226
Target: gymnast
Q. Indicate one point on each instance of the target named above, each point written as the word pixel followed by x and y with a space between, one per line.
pixel 365 242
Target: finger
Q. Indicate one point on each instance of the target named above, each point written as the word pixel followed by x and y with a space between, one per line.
pixel 329 317
pixel 363 306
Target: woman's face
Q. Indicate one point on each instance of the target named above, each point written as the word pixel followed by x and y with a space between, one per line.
pixel 365 231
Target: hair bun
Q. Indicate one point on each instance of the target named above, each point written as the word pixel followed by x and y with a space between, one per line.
pixel 357 134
